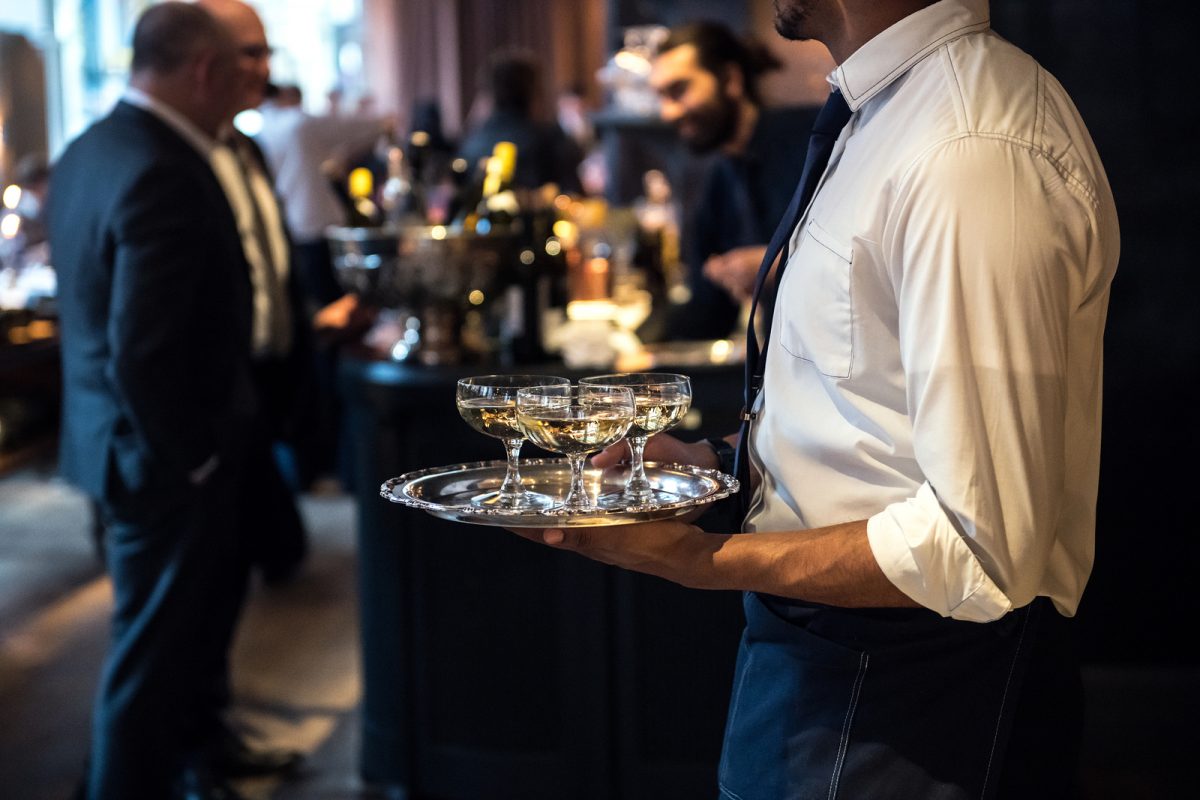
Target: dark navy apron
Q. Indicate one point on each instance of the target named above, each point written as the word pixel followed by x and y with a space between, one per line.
pixel 899 703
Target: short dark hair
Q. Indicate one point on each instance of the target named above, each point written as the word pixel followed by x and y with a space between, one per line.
pixel 717 47
pixel 515 80
pixel 168 35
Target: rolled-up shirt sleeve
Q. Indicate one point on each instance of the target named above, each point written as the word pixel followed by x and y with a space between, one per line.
pixel 923 554
pixel 987 251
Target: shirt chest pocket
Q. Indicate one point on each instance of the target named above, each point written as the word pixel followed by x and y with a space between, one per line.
pixel 816 306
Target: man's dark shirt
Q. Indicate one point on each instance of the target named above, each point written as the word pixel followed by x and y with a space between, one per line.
pixel 741 201
pixel 545 154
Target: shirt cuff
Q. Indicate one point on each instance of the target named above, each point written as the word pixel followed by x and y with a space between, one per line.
pixel 923 555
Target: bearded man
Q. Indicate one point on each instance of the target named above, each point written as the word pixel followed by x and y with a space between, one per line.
pixel 706 79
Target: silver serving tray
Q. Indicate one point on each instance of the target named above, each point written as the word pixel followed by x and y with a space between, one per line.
pixel 446 492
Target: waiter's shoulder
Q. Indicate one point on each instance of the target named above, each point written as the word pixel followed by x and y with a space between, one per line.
pixel 991 92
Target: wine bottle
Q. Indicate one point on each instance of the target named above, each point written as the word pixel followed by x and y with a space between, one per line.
pixel 364 213
pixel 400 198
pixel 498 206
pixel 336 179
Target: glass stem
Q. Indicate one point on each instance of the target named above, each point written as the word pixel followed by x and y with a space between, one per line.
pixel 577 498
pixel 638 485
pixel 511 489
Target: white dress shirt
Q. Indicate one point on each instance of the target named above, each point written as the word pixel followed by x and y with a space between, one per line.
pixel 250 193
pixel 935 355
pixel 296 145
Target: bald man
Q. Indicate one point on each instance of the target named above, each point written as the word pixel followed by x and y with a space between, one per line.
pixel 281 347
pixel 156 312
pixel 270 533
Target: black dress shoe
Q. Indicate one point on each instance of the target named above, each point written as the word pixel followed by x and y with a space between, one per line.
pixel 233 758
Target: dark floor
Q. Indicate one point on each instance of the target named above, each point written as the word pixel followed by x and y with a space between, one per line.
pixel 296 667
pixel 295 663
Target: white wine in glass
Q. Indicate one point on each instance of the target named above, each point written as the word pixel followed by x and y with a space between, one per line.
pixel 488 404
pixel 662 400
pixel 575 421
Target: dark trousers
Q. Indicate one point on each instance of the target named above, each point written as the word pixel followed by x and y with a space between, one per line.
pixel 172 554
pixel 273 533
pixel 320 451
pixel 902 704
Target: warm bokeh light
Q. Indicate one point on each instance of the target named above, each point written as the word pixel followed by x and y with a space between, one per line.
pixel 12 195
pixel 361 183
pixel 249 122
pixel 10 226
pixel 632 62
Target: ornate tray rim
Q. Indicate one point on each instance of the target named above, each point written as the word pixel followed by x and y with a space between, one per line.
pixel 393 490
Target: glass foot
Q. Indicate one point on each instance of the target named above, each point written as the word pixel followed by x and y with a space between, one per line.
pixel 525 501
pixel 614 501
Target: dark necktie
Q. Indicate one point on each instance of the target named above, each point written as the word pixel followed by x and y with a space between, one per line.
pixel 832 118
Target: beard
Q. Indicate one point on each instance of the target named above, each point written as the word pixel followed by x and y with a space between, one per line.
pixel 713 125
pixel 791 19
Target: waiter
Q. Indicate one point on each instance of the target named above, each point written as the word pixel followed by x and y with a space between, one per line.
pixel 924 424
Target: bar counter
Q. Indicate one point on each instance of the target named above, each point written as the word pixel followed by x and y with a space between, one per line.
pixel 494 667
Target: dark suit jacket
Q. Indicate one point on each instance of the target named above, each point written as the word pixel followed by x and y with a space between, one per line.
pixel 154 303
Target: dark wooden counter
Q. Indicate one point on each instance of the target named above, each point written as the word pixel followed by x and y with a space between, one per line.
pixel 497 668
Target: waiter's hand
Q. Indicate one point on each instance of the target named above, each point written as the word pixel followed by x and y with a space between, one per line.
pixel 735 270
pixel 672 549
pixel 662 448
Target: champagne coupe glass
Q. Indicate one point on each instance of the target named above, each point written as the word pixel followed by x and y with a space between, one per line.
pixel 488 403
pixel 575 421
pixel 662 399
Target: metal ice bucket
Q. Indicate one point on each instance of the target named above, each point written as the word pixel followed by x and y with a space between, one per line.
pixel 431 275
pixel 408 267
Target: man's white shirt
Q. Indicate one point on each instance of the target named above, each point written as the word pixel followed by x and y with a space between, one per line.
pixel 935 353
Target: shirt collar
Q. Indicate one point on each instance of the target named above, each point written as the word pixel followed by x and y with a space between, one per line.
pixel 198 139
pixel 873 67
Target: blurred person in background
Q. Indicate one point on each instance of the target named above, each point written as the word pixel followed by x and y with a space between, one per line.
pixel 281 335
pixel 706 78
pixel 158 401
pixel 300 149
pixel 545 154
pixel 296 145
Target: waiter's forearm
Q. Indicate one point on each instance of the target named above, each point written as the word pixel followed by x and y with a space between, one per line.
pixel 832 565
